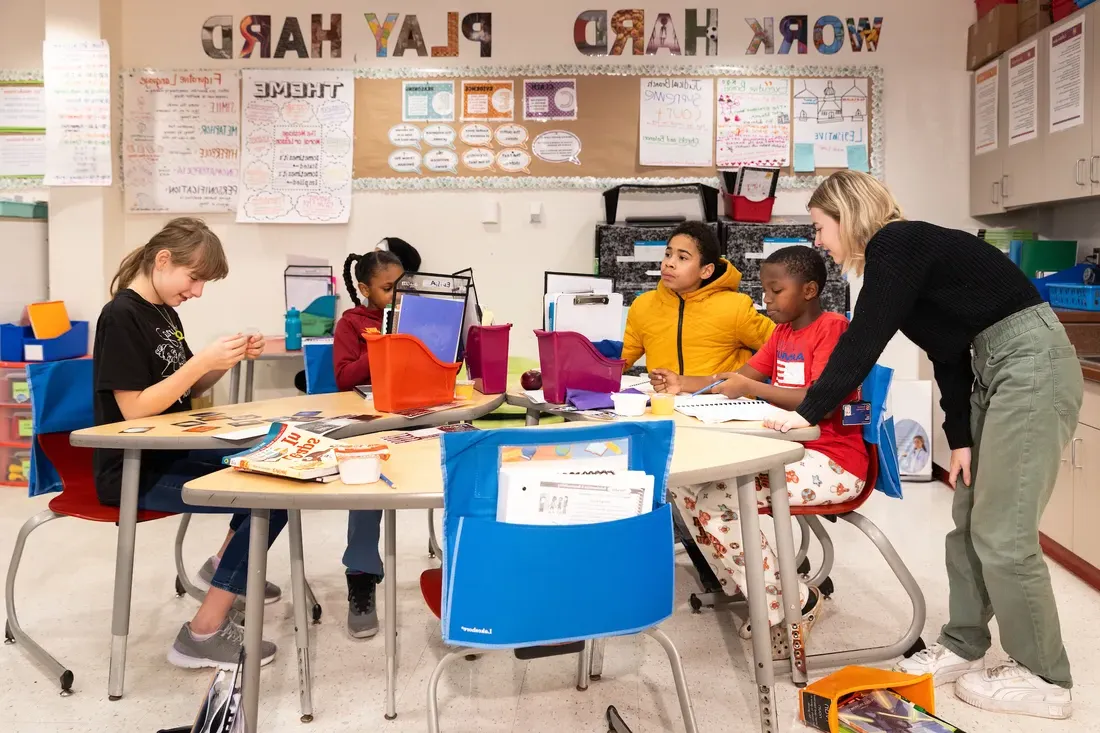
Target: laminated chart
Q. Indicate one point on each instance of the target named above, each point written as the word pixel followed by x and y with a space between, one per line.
pixel 296 140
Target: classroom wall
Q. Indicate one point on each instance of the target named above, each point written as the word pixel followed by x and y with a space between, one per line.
pixel 926 130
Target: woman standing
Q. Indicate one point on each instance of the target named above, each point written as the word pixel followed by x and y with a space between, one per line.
pixel 1011 389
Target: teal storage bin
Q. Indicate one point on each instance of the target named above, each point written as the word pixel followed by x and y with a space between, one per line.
pixel 24 209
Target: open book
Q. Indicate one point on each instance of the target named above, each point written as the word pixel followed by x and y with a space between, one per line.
pixel 289 451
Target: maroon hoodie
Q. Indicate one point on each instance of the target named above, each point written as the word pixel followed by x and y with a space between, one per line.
pixel 349 349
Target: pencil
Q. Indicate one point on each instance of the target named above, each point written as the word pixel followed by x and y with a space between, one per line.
pixel 706 389
pixel 389 483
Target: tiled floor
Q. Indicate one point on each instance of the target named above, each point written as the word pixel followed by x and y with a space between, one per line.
pixel 64 595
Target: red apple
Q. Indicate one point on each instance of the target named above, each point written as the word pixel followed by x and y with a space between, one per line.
pixel 531 379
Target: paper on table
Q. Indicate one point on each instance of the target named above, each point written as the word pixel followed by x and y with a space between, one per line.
pixel 722 410
pixel 248 433
pixel 804 158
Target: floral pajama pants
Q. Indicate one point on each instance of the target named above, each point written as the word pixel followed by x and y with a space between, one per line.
pixel 814 481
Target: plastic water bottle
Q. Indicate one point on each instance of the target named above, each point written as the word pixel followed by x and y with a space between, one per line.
pixel 293 330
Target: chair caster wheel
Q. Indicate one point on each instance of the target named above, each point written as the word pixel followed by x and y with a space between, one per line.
pixel 918 646
pixel 316 613
pixel 804 568
pixel 180 591
pixel 695 603
pixel 114 698
pixel 595 677
pixel 827 588
pixel 306 719
pixel 8 637
pixel 387 716
pixel 431 551
pixel 471 657
pixel 66 683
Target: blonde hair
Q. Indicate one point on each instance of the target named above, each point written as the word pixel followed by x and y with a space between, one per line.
pixel 861 205
pixel 189 242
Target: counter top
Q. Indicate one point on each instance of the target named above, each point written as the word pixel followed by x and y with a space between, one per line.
pixel 1091 370
pixel 1072 316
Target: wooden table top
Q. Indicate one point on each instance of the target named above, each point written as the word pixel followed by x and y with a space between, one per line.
pixel 166 434
pixel 418 477
pixel 518 398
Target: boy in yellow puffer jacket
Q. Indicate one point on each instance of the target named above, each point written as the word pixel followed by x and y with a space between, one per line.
pixel 695 322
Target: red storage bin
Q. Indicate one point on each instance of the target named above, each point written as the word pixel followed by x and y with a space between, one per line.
pixel 985 7
pixel 405 374
pixel 742 209
pixel 569 361
pixel 1062 9
pixel 487 358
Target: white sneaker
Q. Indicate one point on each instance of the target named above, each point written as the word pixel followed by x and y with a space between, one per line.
pixel 943 664
pixel 1011 688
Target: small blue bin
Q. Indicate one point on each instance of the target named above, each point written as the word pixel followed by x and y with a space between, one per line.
pixel 18 344
pixel 1075 297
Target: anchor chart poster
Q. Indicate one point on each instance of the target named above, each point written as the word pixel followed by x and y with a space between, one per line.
pixel 296 146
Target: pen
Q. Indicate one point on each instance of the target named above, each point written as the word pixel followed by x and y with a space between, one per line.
pixel 389 483
pixel 708 388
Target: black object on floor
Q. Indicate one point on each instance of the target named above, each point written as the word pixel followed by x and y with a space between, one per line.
pixel 615 722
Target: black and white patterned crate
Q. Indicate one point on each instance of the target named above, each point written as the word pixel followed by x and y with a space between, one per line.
pixel 744 245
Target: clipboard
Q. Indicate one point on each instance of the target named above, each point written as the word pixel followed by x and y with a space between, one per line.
pixel 596 316
pixel 571 282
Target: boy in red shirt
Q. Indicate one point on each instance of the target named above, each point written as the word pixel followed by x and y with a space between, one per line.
pixel 834 469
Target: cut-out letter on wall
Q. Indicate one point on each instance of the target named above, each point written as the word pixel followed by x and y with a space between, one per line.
pixel 596 19
pixel 663 36
pixel 864 31
pixel 693 31
pixel 451 49
pixel 217 36
pixel 291 39
pixel 256 31
pixel 793 29
pixel 478 27
pixel 762 34
pixel 836 41
pixel 410 35
pixel 381 32
pixel 332 34
pixel 628 25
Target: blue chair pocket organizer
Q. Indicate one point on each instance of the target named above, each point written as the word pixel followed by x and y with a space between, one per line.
pixel 880 431
pixel 61 401
pixel 513 585
pixel 320 373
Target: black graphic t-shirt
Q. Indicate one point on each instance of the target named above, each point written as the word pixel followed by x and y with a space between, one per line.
pixel 137 344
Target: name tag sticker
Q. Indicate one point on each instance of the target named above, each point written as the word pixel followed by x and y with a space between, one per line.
pixel 856 413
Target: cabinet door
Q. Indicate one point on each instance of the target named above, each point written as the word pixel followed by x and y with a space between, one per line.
pixel 1067 153
pixel 1057 521
pixel 1086 494
pixel 1026 65
pixel 986 169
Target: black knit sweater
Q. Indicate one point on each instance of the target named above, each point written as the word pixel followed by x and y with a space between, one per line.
pixel 941 288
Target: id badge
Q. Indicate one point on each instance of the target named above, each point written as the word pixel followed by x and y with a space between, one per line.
pixel 856 413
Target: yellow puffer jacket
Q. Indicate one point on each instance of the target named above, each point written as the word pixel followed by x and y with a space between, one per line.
pixel 714 329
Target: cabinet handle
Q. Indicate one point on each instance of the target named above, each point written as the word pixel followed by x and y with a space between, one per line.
pixel 1004 186
pixel 993 197
pixel 1073 452
pixel 1080 163
pixel 1092 169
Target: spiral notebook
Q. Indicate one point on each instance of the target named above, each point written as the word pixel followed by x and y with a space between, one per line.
pixel 710 409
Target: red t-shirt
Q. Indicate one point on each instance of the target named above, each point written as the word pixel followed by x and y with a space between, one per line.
pixel 796 359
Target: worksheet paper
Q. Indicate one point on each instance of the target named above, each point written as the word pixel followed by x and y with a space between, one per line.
pixel 714 409
pixel 22 107
pixel 296 133
pixel 831 115
pixel 676 122
pixel 1023 94
pixel 754 122
pixel 22 156
pixel 986 83
pixel 181 142
pixel 542 497
pixel 1067 74
pixel 77 78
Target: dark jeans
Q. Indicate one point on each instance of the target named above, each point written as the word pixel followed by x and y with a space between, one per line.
pixel 163 492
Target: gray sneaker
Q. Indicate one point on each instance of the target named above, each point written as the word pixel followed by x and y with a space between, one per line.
pixel 222 650
pixel 272 592
pixel 362 609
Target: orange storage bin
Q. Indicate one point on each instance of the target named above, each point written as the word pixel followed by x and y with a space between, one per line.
pixel 405 374
pixel 818 704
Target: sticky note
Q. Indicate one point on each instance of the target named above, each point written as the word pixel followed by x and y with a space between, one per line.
pixel 804 158
pixel 857 158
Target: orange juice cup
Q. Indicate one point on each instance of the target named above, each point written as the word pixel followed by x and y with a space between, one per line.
pixel 662 404
pixel 464 390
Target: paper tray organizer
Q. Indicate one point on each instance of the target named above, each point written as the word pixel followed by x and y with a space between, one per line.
pixel 568 360
pixel 18 344
pixel 818 703
pixel 487 593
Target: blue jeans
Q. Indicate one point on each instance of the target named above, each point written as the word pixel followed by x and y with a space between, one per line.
pixel 163 492
pixel 361 555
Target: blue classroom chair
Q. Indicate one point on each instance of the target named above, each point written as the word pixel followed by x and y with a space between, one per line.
pixel 320 375
pixel 487 601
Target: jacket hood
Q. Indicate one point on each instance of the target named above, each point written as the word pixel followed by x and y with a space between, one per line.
pixel 727 277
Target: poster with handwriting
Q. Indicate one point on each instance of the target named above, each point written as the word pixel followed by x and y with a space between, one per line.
pixel 22 156
pixel 296 139
pixel 830 121
pixel 676 124
pixel 754 122
pixel 77 79
pixel 181 141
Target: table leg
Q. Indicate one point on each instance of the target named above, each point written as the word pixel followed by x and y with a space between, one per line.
pixel 390 565
pixel 758 603
pixel 532 418
pixel 249 375
pixel 788 573
pixel 260 525
pixel 235 384
pixel 301 617
pixel 124 571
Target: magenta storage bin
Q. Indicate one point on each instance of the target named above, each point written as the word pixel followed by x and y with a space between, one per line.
pixel 487 358
pixel 570 361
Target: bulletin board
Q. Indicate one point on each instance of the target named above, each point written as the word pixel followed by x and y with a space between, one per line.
pixel 606 124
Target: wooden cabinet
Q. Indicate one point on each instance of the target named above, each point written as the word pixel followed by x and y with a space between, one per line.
pixel 1086 494
pixel 1057 522
pixel 1020 186
pixel 987 169
pixel 1068 154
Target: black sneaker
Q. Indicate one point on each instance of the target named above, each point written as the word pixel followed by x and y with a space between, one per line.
pixel 362 608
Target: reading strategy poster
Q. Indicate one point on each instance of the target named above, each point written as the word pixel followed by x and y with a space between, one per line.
pixel 181 141
pixel 676 122
pixel 296 152
pixel 754 122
